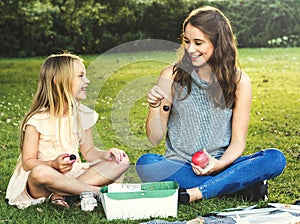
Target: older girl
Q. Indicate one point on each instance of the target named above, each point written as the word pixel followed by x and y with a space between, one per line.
pixel 203 102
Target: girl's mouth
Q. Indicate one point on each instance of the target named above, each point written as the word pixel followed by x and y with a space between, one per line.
pixel 195 57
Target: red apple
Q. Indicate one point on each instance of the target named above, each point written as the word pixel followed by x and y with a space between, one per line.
pixel 200 159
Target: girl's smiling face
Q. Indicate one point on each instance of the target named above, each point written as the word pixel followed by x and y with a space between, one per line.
pixel 198 45
pixel 79 82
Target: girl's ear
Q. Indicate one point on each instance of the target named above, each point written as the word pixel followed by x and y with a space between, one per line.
pixel 54 81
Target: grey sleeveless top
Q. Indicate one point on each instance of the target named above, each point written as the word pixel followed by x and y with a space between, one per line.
pixel 195 123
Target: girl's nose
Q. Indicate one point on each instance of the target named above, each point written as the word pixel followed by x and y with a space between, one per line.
pixel 191 48
pixel 87 80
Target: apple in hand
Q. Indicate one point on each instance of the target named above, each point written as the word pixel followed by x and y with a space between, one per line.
pixel 200 158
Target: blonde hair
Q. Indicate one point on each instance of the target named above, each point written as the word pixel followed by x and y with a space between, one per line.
pixel 54 92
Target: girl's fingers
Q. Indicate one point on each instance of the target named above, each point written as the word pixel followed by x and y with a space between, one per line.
pixel 117 154
pixel 65 156
pixel 209 168
pixel 197 170
pixel 156 94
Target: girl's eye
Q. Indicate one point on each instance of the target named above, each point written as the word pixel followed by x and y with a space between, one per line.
pixel 186 41
pixel 198 43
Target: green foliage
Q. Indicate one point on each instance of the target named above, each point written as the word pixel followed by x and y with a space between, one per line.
pixel 40 27
pixel 162 19
pixel 274 123
pixel 285 41
pixel 25 27
pixel 256 22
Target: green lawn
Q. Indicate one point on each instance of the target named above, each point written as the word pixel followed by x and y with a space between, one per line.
pixel 118 93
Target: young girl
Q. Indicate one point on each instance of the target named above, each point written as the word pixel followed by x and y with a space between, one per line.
pixel 203 102
pixel 56 125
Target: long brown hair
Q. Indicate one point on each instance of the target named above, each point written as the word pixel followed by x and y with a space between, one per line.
pixel 223 62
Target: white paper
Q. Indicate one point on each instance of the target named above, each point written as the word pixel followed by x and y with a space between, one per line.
pixel 251 212
pixel 276 218
pixel 286 207
pixel 124 187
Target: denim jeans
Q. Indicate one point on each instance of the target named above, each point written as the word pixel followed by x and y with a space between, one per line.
pixel 242 173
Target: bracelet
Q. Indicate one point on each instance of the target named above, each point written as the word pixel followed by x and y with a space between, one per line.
pixel 156 106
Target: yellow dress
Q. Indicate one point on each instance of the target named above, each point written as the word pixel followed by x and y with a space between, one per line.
pixel 51 145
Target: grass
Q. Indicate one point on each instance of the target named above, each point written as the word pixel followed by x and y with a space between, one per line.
pixel 119 86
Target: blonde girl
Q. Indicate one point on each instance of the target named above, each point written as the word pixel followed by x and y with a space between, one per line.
pixel 57 126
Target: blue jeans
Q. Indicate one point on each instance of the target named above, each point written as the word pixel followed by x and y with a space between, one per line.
pixel 242 173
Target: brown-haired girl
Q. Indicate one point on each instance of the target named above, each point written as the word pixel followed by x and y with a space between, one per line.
pixel 203 103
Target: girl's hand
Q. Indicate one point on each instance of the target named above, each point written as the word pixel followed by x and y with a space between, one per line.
pixel 213 166
pixel 116 154
pixel 63 163
pixel 155 95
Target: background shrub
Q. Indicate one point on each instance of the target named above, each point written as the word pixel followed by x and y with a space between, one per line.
pixel 40 27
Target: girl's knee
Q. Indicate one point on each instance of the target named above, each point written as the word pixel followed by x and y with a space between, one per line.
pixel 276 157
pixel 147 159
pixel 42 174
pixel 125 163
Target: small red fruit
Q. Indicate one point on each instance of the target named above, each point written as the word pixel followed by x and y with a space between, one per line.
pixel 200 159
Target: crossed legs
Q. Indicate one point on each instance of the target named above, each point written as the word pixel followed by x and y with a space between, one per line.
pixel 44 180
